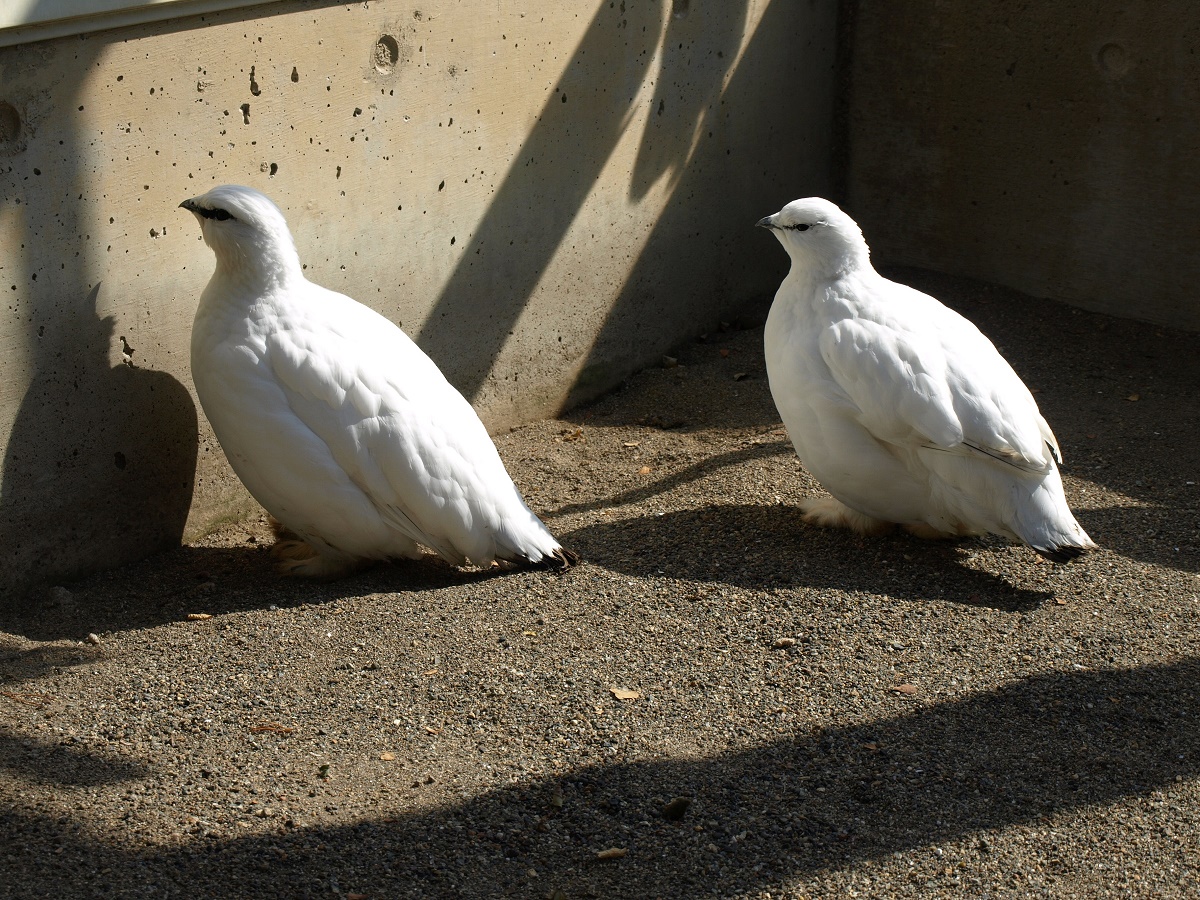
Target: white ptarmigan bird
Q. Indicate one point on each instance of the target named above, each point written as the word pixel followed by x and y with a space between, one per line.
pixel 336 422
pixel 900 407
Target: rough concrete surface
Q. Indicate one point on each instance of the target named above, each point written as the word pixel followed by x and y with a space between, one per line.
pixel 521 189
pixel 1047 146
pixel 843 716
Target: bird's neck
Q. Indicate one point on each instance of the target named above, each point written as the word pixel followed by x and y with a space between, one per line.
pixel 261 268
pixel 829 264
pixel 814 287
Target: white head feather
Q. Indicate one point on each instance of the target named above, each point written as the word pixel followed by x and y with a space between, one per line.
pixel 818 235
pixel 248 234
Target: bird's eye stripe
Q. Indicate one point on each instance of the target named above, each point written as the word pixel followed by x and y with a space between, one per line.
pixel 798 227
pixel 219 214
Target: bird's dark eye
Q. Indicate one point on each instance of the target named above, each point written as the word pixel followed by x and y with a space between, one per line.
pixel 219 214
pixel 802 228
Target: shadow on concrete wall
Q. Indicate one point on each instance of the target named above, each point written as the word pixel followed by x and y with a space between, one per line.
pixel 99 465
pixel 562 159
pixel 1049 744
pixel 84 421
pixel 731 257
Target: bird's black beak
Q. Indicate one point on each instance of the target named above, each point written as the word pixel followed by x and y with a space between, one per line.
pixel 764 223
pixel 189 205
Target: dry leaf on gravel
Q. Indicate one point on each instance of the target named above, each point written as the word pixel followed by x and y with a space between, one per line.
pixel 644 470
pixel 904 688
pixel 386 756
pixel 612 853
pixel 625 694
pixel 27 698
pixel 198 617
pixel 271 727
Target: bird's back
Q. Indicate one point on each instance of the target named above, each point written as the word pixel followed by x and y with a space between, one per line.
pixel 361 413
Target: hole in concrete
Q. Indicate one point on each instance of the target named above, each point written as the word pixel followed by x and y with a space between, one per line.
pixel 1114 60
pixel 295 75
pixel 10 125
pixel 386 54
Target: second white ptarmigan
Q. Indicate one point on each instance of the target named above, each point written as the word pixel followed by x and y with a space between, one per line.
pixel 900 407
pixel 336 422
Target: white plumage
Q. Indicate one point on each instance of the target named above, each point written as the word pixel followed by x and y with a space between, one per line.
pixel 336 422
pixel 899 406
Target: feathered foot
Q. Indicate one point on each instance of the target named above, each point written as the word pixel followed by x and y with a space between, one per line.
pixel 929 533
pixel 297 558
pixel 829 512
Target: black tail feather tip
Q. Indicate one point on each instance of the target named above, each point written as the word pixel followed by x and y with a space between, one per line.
pixel 558 560
pixel 563 559
pixel 1063 554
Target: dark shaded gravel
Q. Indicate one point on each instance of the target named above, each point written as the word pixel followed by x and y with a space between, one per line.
pixel 848 717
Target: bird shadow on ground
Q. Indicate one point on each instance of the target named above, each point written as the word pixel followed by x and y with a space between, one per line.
pixel 762 547
pixel 63 765
pixel 213 581
pixel 787 808
pixel 1158 535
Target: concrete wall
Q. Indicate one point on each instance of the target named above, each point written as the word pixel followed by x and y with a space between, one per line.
pixel 546 196
pixel 1051 147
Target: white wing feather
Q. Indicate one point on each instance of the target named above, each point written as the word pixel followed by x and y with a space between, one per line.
pixel 397 428
pixel 919 373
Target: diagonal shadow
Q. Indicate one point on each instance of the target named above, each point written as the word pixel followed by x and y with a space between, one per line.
pixel 808 802
pixel 760 547
pixel 691 43
pixel 696 472
pixel 576 133
pixel 703 245
pixel 545 188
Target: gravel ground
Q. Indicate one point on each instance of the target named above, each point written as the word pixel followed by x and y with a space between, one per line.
pixel 841 716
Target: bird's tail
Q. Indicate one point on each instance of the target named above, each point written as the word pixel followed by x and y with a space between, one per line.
pixel 525 540
pixel 1045 522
